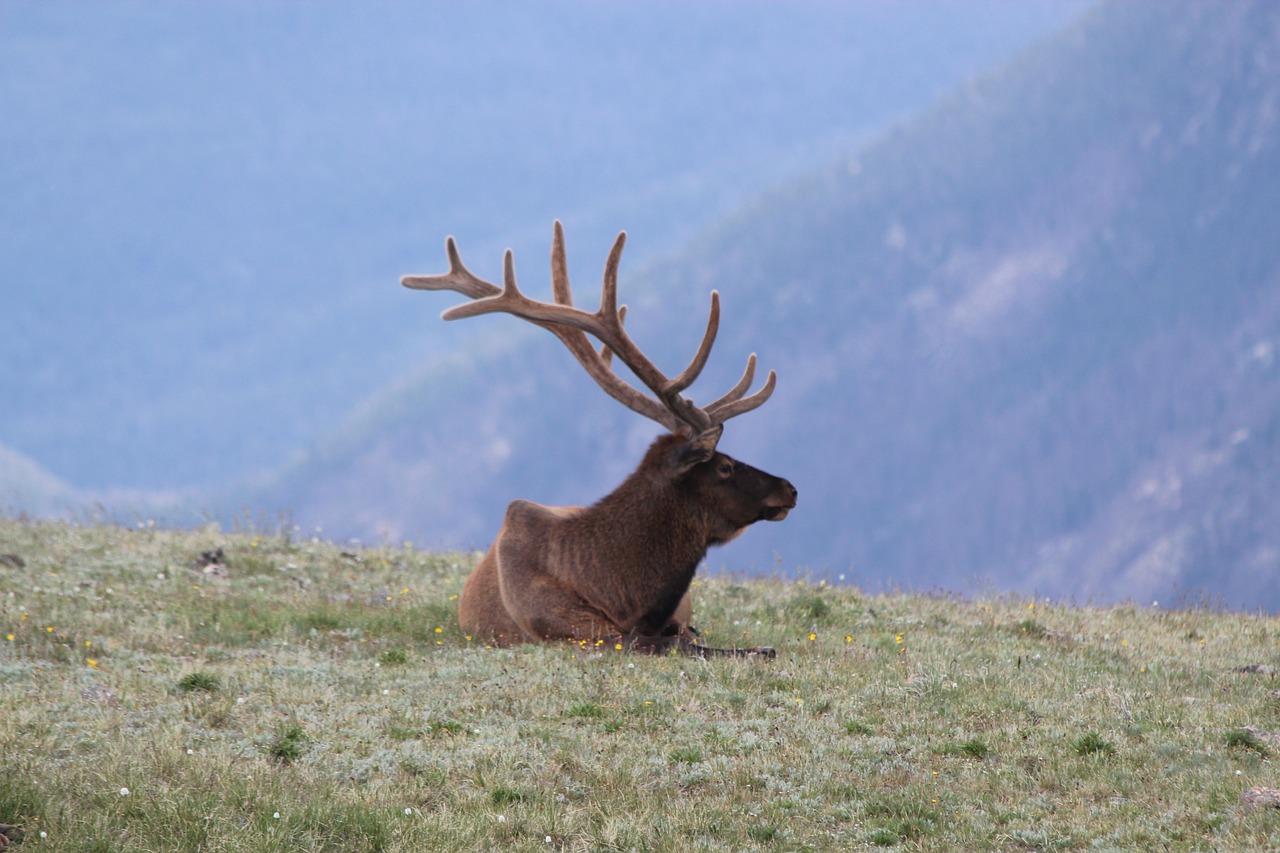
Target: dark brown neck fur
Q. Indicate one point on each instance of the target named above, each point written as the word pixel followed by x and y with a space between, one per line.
pixel 659 532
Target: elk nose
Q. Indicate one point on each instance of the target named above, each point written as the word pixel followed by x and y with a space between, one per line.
pixel 791 490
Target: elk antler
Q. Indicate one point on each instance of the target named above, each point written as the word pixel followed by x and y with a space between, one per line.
pixel 572 325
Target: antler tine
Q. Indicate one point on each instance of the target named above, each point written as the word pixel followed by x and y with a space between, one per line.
pixel 727 407
pixel 748 376
pixel 613 335
pixel 606 354
pixel 564 293
pixel 494 301
pixel 598 364
pixel 509 287
pixel 686 378
pixel 609 292
pixel 458 278
pixel 560 268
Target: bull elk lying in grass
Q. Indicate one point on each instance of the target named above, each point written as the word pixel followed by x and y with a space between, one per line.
pixel 617 572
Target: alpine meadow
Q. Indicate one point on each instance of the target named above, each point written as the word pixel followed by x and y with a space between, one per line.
pixel 210 691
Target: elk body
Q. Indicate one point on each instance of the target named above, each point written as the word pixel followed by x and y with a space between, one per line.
pixel 619 571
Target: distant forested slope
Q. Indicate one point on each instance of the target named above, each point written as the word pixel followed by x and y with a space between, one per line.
pixel 206 206
pixel 1027 338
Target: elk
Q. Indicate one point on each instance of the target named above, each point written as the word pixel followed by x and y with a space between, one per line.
pixel 616 573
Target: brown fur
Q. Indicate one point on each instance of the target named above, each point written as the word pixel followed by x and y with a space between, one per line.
pixel 619 571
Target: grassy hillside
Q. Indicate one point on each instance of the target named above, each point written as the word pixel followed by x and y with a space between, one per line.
pixel 287 694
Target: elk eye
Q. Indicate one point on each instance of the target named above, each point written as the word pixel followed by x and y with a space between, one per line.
pixel 725 469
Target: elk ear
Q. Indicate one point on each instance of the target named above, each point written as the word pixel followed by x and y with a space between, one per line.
pixel 698 449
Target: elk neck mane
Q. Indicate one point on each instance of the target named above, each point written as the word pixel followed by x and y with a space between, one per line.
pixel 652 489
pixel 662 533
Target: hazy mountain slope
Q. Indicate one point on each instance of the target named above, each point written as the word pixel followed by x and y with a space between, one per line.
pixel 1025 339
pixel 25 484
pixel 206 206
pixel 1053 290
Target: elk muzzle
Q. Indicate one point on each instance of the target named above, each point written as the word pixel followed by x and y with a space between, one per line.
pixel 778 504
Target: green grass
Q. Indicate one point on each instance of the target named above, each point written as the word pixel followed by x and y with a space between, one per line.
pixel 319 699
pixel 1245 739
pixel 288 745
pixel 1091 743
pixel 199 681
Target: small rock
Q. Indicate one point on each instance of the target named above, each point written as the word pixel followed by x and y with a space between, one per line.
pixel 207 558
pixel 1257 669
pixel 1271 738
pixel 13 561
pixel 1261 798
pixel 101 694
pixel 211 563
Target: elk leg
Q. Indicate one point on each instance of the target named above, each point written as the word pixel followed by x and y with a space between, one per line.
pixel 684 611
pixel 649 645
pixel 686 643
pixel 690 645
pixel 690 642
pixel 481 613
pixel 544 606
pixel 546 609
